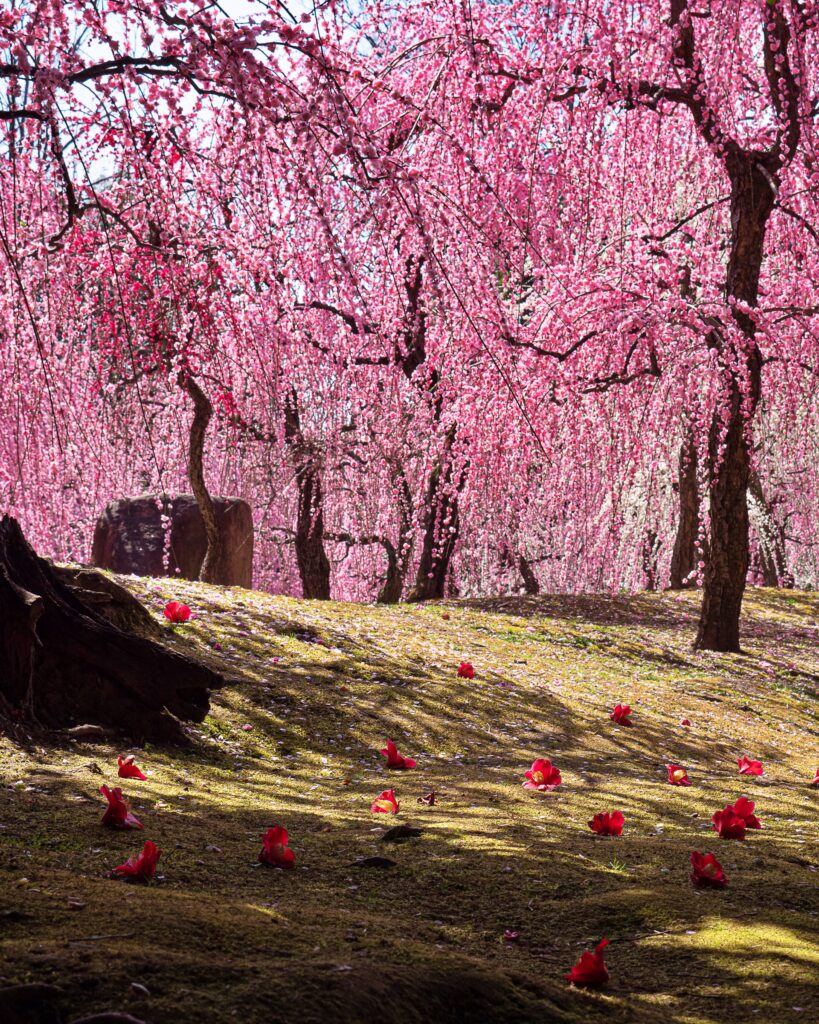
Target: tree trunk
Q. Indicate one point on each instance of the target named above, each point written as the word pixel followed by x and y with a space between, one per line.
pixel 63 663
pixel 772 557
pixel 684 555
pixel 650 557
pixel 520 562
pixel 313 564
pixel 398 559
pixel 726 567
pixel 440 524
pixel 203 411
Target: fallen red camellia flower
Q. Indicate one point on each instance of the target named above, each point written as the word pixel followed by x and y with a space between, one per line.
pixel 275 850
pixel 686 722
pixel 815 779
pixel 466 671
pixel 177 612
pixel 141 868
pixel 543 776
pixel 590 970
pixel 749 767
pixel 677 776
pixel 620 715
pixel 127 769
pixel 385 803
pixel 733 820
pixel 706 871
pixel 396 760
pixel 744 808
pixel 117 815
pixel 608 823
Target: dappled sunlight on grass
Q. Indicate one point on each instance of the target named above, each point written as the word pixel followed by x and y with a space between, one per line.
pixel 322 686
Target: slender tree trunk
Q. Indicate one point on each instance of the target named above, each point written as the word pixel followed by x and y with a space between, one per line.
pixel 772 557
pixel 202 413
pixel 726 567
pixel 684 555
pixel 398 559
pixel 313 564
pixel 520 562
pixel 441 525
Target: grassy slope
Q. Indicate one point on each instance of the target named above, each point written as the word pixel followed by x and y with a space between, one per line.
pixel 222 939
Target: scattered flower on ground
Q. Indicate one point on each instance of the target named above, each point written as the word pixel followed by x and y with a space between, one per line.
pixel 117 815
pixel 126 769
pixel 396 760
pixel 608 823
pixel 177 612
pixel 275 850
pixel 543 776
pixel 749 767
pixel 677 776
pixel 385 803
pixel 466 671
pixel 621 715
pixel 141 868
pixel 590 970
pixel 706 871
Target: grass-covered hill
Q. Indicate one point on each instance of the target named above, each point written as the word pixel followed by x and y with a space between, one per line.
pixel 220 938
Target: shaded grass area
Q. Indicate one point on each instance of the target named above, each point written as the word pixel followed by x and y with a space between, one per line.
pixel 220 938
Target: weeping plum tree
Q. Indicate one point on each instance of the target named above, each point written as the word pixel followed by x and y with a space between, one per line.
pixel 612 233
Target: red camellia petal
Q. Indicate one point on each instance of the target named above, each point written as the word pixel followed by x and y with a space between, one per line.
pixel 608 823
pixel 275 850
pixel 685 722
pixel 590 970
pixel 117 815
pixel 706 871
pixel 749 767
pixel 466 671
pixel 126 769
pixel 744 808
pixel 141 868
pixel 620 715
pixel 728 824
pixel 396 760
pixel 677 776
pixel 385 803
pixel 176 612
pixel 816 778
pixel 543 776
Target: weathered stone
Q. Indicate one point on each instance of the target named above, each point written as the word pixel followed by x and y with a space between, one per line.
pixel 129 538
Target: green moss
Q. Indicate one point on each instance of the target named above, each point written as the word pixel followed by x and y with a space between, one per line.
pixel 221 938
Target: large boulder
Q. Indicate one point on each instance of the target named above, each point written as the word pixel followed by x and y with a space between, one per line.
pixel 129 538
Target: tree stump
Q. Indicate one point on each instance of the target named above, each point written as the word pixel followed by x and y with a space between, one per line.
pixel 63 662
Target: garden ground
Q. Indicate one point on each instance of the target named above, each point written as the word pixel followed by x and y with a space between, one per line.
pixel 323 685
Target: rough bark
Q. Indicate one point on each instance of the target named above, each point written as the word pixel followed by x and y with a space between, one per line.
pixel 313 564
pixel 440 525
pixel 211 570
pixel 684 554
pixel 517 560
pixel 650 556
pixel 62 661
pixel 726 567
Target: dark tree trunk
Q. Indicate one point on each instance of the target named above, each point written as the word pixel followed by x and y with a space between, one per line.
pixel 313 564
pixel 393 586
pixel 63 663
pixel 398 559
pixel 726 567
pixel 440 524
pixel 530 582
pixel 684 555
pixel 203 411
pixel 651 549
pixel 771 549
pixel 520 562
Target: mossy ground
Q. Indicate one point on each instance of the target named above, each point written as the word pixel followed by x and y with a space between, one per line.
pixel 222 939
